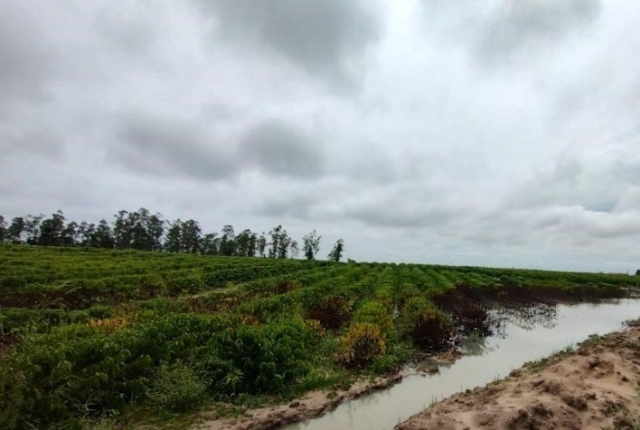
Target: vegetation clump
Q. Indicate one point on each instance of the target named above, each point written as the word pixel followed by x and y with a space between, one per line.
pixel 332 311
pixel 177 388
pixel 361 344
pixel 426 325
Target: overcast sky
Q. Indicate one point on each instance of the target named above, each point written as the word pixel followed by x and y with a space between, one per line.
pixel 476 132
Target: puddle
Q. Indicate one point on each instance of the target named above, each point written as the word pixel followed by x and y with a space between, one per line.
pixel 517 342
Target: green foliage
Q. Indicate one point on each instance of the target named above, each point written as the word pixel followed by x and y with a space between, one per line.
pixel 361 344
pixel 86 333
pixel 427 326
pixel 177 388
pixel 336 252
pixel 374 312
pixel 77 370
pixel 323 379
pixel 332 311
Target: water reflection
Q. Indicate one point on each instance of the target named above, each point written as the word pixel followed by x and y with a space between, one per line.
pixel 527 317
pixel 520 336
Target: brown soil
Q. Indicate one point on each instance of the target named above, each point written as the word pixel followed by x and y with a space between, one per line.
pixel 317 403
pixel 594 387
pixel 310 405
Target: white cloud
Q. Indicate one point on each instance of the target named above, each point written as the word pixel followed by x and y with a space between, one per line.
pixel 486 132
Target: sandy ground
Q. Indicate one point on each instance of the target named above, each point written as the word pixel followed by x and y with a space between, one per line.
pixel 594 387
pixel 310 405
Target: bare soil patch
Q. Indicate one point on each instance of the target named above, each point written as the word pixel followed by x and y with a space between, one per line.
pixel 308 406
pixel 594 387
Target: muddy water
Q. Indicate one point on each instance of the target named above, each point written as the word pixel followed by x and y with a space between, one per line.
pixel 517 341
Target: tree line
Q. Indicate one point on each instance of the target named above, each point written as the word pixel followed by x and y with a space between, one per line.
pixel 142 230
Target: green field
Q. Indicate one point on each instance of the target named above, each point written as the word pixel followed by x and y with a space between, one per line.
pixel 91 333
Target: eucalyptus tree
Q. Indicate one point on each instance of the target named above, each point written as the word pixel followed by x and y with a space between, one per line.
pixel 138 230
pixel 103 236
pixel 311 245
pixel 261 245
pixel 190 234
pixel 336 251
pixel 246 243
pixel 123 230
pixel 227 241
pixel 16 229
pixel 51 230
pixel 86 234
pixel 32 227
pixel 70 234
pixel 209 244
pixel 3 229
pixel 280 244
pixel 294 248
pixel 173 238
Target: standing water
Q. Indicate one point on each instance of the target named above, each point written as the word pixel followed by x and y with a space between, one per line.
pixel 491 359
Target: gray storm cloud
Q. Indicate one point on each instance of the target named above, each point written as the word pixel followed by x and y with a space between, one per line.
pixel 166 147
pixel 279 149
pixel 486 132
pixel 526 27
pixel 504 32
pixel 322 37
pixel 23 57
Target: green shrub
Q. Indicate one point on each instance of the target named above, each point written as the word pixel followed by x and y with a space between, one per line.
pixel 318 379
pixel 261 359
pixel 374 312
pixel 427 326
pixel 273 308
pixel 361 344
pixel 332 311
pixel 176 388
pixel 100 312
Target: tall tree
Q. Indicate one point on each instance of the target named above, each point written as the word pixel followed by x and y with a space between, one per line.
pixel 138 230
pixel 16 229
pixel 275 235
pixel 336 252
pixel 173 239
pixel 190 232
pixel 284 245
pixel 280 244
pixel 154 226
pixel 246 243
pixel 104 236
pixel 227 241
pixel 51 230
pixel 209 244
pixel 261 245
pixel 294 248
pixel 86 234
pixel 32 227
pixel 252 247
pixel 3 229
pixel 311 245
pixel 123 230
pixel 70 234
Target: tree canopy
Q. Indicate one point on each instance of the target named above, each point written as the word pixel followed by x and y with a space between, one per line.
pixel 146 231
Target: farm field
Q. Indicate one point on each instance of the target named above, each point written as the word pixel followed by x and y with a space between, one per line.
pixel 89 336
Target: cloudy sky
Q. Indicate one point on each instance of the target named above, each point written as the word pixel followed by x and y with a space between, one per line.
pixel 476 132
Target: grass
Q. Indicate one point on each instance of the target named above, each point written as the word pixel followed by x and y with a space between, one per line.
pixel 542 363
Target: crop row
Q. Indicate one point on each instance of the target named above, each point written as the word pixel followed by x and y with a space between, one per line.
pixel 101 330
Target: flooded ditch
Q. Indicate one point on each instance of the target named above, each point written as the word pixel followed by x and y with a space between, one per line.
pixel 520 335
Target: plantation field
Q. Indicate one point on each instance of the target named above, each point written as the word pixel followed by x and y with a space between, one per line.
pixel 89 334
